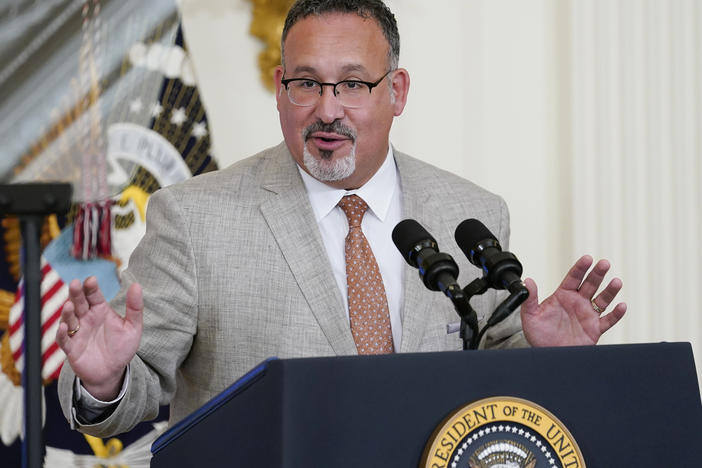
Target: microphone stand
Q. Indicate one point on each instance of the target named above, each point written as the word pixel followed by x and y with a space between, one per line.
pixel 469 318
pixel 31 202
pixel 518 294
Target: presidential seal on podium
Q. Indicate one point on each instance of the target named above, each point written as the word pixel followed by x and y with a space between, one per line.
pixel 504 432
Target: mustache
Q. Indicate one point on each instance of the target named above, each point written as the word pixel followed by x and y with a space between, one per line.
pixel 334 127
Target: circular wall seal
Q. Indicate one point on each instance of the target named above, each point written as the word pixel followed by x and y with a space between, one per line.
pixel 501 432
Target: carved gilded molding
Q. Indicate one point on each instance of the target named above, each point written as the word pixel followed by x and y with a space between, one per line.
pixel 267 23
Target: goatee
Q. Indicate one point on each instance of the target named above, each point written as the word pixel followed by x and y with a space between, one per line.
pixel 325 168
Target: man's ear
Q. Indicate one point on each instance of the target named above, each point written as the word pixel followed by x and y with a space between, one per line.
pixel 277 76
pixel 400 88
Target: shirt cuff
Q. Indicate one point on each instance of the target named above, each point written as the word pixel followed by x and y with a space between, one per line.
pixel 89 410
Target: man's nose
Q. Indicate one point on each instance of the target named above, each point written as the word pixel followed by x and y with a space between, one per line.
pixel 328 107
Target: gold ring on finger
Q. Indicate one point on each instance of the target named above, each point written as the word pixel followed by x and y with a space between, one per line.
pixel 74 331
pixel 596 307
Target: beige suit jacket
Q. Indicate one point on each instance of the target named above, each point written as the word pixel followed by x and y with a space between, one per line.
pixel 234 271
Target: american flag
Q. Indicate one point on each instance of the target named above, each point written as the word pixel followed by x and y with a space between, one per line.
pixel 54 294
pixel 58 268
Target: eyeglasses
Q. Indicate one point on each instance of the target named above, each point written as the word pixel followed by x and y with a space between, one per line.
pixel 305 92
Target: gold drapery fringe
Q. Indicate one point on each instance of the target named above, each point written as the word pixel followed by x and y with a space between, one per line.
pixel 7 362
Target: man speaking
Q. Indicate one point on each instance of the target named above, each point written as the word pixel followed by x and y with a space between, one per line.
pixel 289 253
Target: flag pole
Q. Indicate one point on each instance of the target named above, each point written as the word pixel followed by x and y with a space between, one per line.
pixel 31 202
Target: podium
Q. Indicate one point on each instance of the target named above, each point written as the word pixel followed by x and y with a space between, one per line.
pixel 625 405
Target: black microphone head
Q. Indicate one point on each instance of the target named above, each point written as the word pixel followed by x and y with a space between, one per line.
pixel 472 235
pixel 407 235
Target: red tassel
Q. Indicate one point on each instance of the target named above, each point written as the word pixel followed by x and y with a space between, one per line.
pixel 92 231
pixel 105 235
pixel 77 247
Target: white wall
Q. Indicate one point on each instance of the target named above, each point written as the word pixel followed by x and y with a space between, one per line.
pixel 499 95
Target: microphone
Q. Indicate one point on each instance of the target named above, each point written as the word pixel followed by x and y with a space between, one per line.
pixel 502 269
pixel 437 270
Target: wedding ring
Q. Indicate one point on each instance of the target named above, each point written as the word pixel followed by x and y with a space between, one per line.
pixel 594 306
pixel 74 331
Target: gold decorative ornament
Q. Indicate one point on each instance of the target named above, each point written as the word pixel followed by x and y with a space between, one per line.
pixel 7 362
pixel 7 298
pixel 13 244
pixel 268 19
pixel 104 449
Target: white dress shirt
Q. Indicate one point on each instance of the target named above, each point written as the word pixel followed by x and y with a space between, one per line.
pixel 382 193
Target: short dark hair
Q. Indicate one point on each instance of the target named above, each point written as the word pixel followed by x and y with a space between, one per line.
pixel 375 9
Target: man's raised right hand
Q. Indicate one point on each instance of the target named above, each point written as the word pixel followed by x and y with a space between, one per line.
pixel 98 342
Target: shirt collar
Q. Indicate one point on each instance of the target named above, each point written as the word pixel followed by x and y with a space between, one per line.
pixel 377 192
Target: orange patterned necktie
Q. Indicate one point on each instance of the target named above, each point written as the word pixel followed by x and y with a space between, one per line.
pixel 368 305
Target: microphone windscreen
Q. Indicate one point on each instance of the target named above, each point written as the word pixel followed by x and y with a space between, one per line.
pixel 470 233
pixel 407 234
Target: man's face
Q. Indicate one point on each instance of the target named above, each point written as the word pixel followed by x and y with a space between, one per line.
pixel 340 146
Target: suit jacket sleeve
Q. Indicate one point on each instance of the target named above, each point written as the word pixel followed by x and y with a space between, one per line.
pixel 163 263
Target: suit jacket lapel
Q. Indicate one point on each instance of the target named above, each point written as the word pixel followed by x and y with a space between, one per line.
pixel 291 220
pixel 417 204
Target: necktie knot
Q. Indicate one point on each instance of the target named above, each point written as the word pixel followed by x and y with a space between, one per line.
pixel 354 207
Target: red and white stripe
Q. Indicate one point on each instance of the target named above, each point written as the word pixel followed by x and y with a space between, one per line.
pixel 54 294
